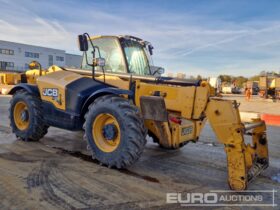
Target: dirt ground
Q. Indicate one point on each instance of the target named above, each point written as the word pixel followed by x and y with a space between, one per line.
pixel 57 173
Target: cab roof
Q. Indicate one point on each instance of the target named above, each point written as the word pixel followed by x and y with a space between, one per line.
pixel 128 37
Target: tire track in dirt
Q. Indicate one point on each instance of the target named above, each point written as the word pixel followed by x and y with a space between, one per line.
pixel 83 195
pixel 39 178
pixel 53 182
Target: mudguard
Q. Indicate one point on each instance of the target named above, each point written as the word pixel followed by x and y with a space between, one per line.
pixel 105 91
pixel 33 89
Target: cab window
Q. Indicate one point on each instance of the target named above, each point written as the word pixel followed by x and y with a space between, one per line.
pixel 136 58
pixel 110 50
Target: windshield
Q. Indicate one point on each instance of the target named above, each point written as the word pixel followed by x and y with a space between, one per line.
pixel 136 58
pixel 110 50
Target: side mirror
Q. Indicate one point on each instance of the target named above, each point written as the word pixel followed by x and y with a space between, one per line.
pixel 150 47
pixel 156 71
pixel 161 70
pixel 83 42
pixel 99 62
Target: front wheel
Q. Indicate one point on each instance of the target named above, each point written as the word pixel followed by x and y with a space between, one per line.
pixel 26 116
pixel 114 131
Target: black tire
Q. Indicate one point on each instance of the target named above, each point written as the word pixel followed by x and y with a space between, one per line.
pixel 37 128
pixel 132 131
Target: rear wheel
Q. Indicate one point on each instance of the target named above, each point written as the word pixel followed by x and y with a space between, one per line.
pixel 26 116
pixel 115 131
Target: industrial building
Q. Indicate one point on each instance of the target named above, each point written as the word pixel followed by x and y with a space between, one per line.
pixel 17 56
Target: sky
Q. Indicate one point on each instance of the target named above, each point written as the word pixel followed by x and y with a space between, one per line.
pixel 205 37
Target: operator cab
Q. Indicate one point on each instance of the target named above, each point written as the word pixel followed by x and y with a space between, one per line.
pixel 122 54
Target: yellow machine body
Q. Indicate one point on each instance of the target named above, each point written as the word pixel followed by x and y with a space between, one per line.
pixel 57 81
pixel 8 80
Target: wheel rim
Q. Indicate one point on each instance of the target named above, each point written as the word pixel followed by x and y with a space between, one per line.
pixel 21 115
pixel 106 132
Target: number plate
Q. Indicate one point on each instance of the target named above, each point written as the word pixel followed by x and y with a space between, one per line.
pixel 186 131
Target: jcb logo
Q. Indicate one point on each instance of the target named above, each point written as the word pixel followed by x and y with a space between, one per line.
pixel 52 92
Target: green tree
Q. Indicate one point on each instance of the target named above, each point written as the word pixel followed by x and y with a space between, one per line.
pixel 226 78
pixel 240 80
pixel 254 78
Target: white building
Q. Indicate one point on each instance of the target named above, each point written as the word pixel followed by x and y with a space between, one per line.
pixel 73 61
pixel 16 56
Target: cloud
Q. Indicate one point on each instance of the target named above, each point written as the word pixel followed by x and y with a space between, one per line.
pixel 195 42
pixel 232 38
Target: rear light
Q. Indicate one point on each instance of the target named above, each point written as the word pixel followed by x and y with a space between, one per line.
pixel 175 120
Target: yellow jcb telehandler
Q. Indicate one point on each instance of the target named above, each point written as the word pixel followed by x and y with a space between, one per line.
pixel 10 78
pixel 118 96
